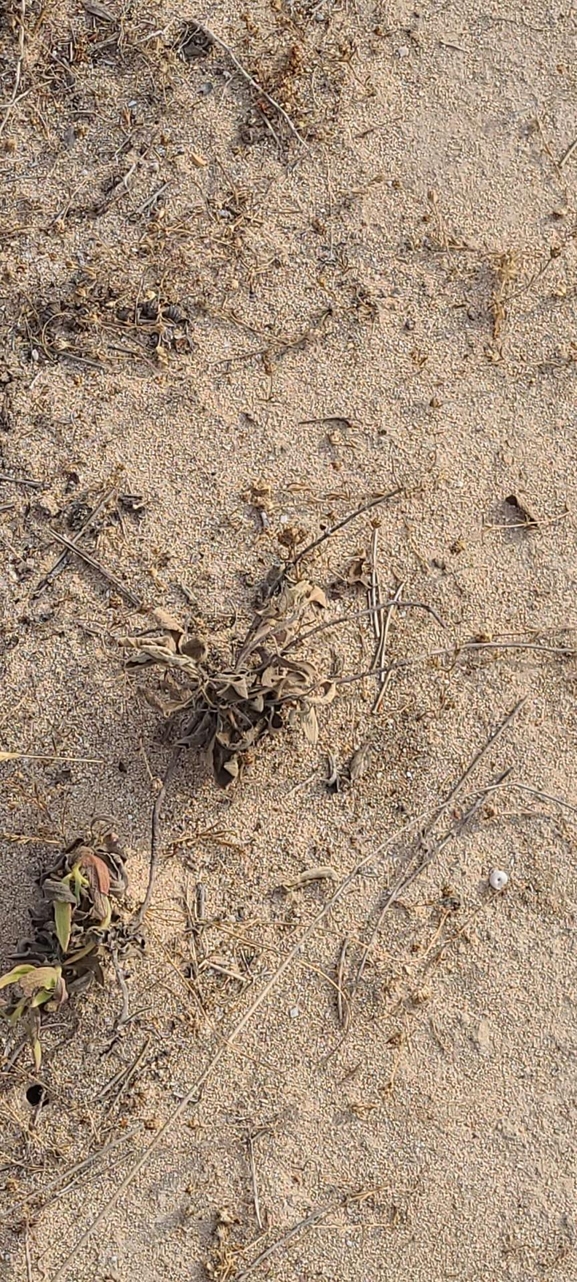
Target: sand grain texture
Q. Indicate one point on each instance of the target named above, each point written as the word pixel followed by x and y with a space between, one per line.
pixel 242 339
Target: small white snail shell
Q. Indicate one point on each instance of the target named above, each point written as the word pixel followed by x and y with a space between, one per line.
pixel 498 879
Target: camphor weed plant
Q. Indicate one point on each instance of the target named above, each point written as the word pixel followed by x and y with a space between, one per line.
pixel 71 929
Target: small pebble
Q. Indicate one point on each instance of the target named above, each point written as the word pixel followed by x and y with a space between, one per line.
pixel 295 1012
pixel 498 879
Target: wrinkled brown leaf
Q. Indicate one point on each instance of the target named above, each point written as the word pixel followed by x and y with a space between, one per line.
pixel 325 694
pixel 95 868
pixel 357 572
pixel 166 706
pixel 194 647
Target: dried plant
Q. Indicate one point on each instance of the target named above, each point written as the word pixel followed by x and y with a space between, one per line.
pixel 232 708
pixel 70 929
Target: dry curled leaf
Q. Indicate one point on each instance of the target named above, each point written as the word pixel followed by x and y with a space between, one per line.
pixel 194 647
pixel 358 761
pixel 167 623
pixel 334 778
pixel 323 872
pixel 357 572
pixel 310 725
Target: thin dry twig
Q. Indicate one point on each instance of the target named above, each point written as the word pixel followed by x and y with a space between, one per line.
pixel 96 565
pixel 384 674
pixel 19 66
pixel 42 756
pixel 384 608
pixel 315 1218
pixel 406 877
pixel 123 1079
pixel 27 1254
pixel 345 521
pixel 562 652
pixel 495 734
pixel 343 1004
pixel 534 792
pixel 75 1171
pixel 155 836
pixel 28 481
pixel 572 148
pixel 374 593
pixel 545 796
pixel 252 82
pixel 121 981
pixel 255 1193
pixel 63 560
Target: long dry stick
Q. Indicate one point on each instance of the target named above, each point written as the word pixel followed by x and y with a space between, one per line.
pixel 123 986
pixel 544 796
pixel 572 148
pixel 384 608
pixel 562 651
pixel 343 1006
pixel 406 877
pixel 62 561
pixel 254 83
pixel 374 593
pixel 496 734
pixel 155 837
pixel 96 565
pixel 384 674
pixel 345 521
pixel 255 1193
pixel 315 1218
pixel 503 783
pixel 28 481
pixel 75 1171
pixel 27 1254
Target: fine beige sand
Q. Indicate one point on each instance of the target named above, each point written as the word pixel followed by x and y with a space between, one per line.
pixel 240 332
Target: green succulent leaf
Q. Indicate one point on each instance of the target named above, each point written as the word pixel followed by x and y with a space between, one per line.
pixel 63 923
pixel 14 976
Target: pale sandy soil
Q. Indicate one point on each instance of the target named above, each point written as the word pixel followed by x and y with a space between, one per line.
pixel 411 272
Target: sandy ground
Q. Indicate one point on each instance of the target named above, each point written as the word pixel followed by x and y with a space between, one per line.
pixel 389 304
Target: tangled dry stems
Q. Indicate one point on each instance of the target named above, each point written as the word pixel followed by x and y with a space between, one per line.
pixel 231 709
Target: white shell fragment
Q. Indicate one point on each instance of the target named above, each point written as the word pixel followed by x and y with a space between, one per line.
pixel 498 879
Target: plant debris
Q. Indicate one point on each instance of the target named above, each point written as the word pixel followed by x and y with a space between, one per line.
pixel 231 709
pixel 70 930
pixel 91 318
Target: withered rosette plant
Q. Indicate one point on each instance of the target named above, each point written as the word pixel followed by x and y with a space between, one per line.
pixel 226 709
